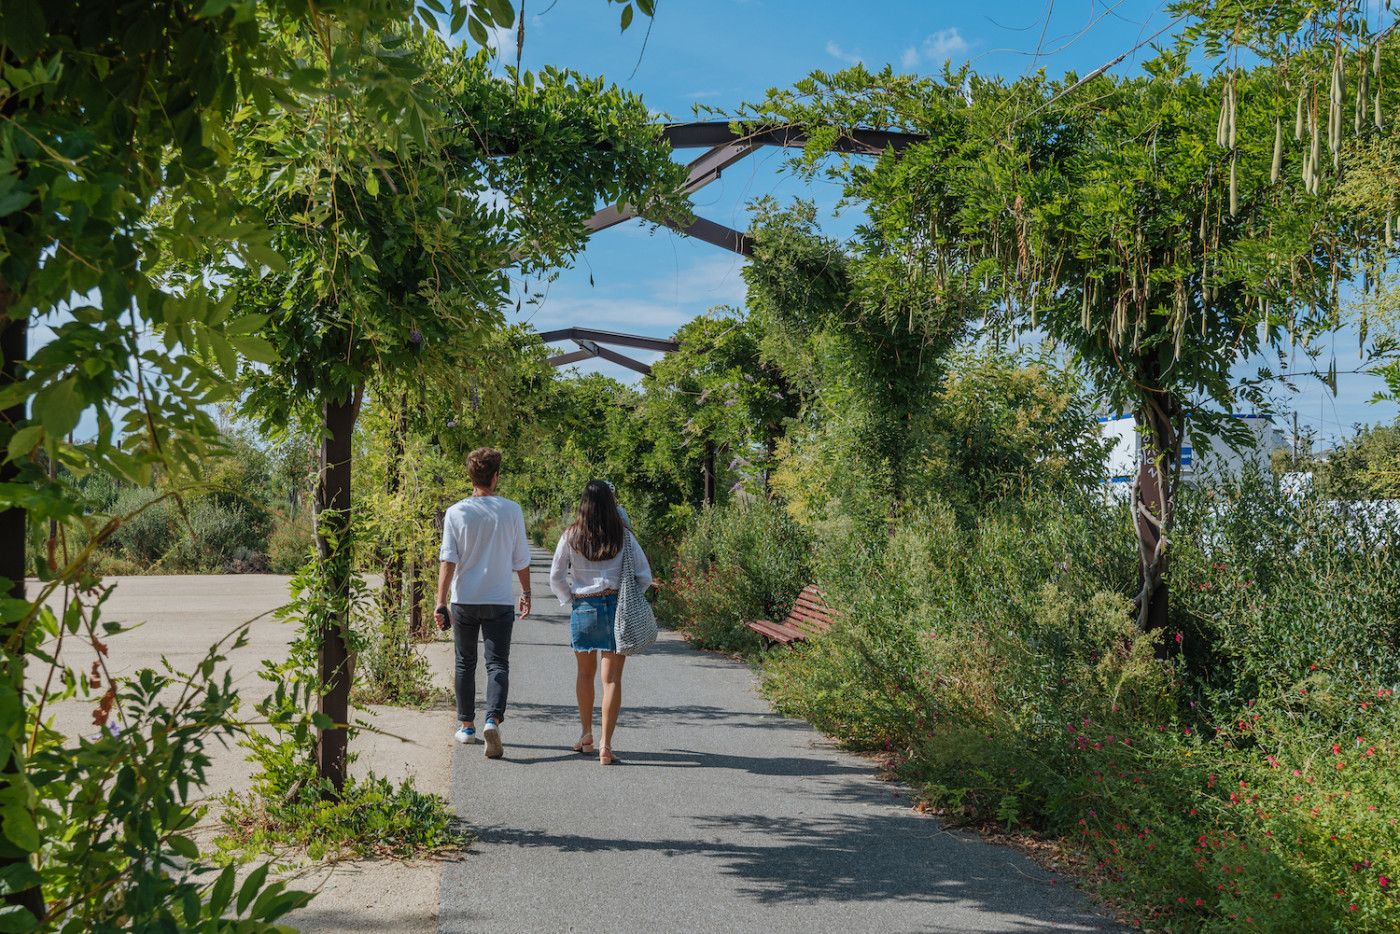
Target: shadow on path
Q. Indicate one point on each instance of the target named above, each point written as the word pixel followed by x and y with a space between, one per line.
pixel 673 716
pixel 872 858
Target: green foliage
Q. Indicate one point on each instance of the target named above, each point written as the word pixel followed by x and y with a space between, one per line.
pixel 1255 779
pixel 1096 211
pixel 290 545
pixel 289 805
pixel 742 561
pixel 862 341
pixel 1366 466
pixel 1004 427
pixel 1288 592
pixel 370 817
pixel 115 810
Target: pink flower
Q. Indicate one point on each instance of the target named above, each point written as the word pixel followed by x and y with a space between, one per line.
pixel 1384 881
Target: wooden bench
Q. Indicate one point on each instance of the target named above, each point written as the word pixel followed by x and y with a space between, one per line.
pixel 810 617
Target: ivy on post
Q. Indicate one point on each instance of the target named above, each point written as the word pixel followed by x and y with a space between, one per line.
pixel 23 895
pixel 335 550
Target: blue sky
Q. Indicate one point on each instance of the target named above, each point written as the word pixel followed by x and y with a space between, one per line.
pixel 724 52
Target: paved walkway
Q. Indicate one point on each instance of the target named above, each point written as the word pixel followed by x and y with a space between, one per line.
pixel 723 817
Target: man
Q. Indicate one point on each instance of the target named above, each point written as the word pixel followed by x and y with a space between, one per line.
pixel 483 541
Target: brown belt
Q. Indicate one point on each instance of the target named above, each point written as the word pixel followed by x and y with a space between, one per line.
pixel 602 593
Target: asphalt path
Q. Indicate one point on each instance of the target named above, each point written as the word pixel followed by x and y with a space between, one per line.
pixel 722 816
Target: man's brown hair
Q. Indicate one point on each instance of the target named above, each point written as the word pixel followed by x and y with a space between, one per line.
pixel 482 465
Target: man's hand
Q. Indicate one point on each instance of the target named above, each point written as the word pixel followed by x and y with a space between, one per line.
pixel 443 617
pixel 524 605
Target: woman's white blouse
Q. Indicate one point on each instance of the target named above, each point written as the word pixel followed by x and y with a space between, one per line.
pixel 572 575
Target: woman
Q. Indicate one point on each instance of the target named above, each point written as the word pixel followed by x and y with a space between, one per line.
pixel 585 576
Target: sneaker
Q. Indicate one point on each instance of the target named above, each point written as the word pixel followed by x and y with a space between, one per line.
pixel 466 734
pixel 492 734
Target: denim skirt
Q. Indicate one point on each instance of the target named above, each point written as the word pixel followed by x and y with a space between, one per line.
pixel 591 624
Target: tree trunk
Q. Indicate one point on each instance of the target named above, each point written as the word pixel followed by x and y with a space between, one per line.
pixel 1154 499
pixel 707 474
pixel 333 545
pixel 14 340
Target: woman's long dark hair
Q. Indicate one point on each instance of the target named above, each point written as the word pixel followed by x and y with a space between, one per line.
pixel 597 532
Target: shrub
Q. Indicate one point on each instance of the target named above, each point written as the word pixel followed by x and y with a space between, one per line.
pixel 1276 591
pixel 289 545
pixel 149 531
pixel 740 561
pixel 543 528
pixel 228 538
pixel 1252 782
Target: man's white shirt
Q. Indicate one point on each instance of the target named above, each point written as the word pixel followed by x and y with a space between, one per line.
pixel 485 537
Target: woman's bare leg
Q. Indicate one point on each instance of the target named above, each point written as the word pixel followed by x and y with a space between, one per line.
pixel 583 685
pixel 612 695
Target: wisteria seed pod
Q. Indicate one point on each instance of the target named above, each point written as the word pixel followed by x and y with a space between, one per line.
pixel 1277 166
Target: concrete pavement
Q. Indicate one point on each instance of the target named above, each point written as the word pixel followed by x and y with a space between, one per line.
pixel 723 816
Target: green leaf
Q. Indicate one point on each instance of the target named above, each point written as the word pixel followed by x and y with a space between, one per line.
pixel 12 201
pixel 322 721
pixel 502 12
pixel 22 27
pixel 219 895
pixel 224 353
pixel 459 19
pixel 252 885
pixel 17 877
pixel 255 348
pixel 15 919
pixel 24 441
pixel 58 407
pixel 626 17
pixel 184 846
pixel 372 183
pixel 476 31
pixel 19 828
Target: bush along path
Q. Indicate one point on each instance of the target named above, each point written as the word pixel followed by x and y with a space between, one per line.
pixel 723 816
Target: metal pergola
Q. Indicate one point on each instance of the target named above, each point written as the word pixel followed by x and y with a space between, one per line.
pixel 723 147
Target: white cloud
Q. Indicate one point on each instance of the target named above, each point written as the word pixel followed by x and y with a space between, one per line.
pixel 714 280
pixel 850 58
pixel 937 48
pixel 501 39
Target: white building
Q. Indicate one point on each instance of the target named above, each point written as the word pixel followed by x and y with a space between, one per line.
pixel 1201 456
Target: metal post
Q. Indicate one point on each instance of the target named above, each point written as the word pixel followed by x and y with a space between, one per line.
pixel 333 526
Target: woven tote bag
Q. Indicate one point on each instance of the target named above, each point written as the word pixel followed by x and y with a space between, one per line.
pixel 634 629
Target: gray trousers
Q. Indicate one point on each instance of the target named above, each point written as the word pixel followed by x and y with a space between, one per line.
pixel 494 623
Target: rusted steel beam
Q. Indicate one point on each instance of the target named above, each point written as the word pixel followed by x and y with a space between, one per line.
pixel 585 336
pixel 710 133
pixel 726 238
pixel 573 356
pixel 615 357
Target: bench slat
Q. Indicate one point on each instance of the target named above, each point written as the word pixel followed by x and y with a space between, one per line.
pixel 775 632
pixel 816 607
pixel 810 616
